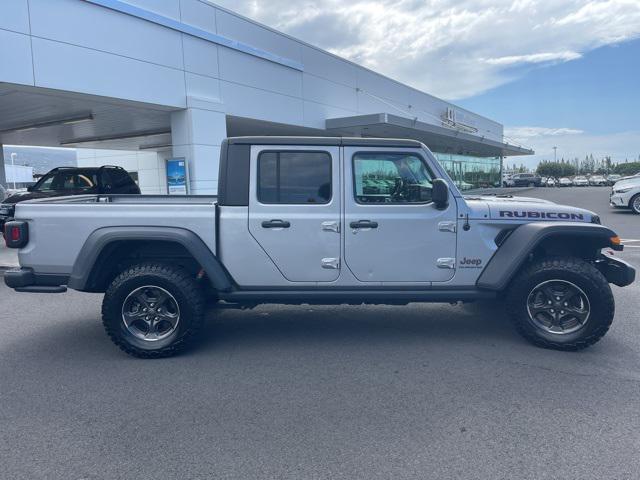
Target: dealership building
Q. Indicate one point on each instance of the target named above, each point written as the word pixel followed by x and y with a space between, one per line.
pixel 170 79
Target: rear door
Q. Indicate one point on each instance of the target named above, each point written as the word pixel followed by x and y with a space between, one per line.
pixel 393 231
pixel 294 209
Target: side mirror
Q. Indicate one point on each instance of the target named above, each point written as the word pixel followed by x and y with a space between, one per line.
pixel 30 188
pixel 440 193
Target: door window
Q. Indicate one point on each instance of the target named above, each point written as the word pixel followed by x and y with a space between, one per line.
pixel 294 177
pixel 393 178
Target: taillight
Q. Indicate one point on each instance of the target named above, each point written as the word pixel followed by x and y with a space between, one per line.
pixel 16 234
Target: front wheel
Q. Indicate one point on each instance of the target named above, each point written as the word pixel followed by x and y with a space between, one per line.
pixel 153 310
pixel 634 204
pixel 561 303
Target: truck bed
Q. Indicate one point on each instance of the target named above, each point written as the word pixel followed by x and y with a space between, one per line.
pixel 59 227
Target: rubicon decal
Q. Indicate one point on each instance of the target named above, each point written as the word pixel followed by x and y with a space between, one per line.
pixel 549 215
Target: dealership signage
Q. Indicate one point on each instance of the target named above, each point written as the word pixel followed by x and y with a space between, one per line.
pixel 177 178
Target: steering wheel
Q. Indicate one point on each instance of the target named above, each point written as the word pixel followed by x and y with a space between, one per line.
pixel 398 189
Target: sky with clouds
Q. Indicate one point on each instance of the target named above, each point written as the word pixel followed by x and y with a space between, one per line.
pixel 493 56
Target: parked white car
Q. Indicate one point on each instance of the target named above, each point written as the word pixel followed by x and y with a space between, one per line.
pixel 580 181
pixel 551 182
pixel 626 194
pixel 597 181
pixel 565 182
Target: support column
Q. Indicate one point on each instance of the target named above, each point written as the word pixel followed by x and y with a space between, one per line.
pixel 3 178
pixel 197 133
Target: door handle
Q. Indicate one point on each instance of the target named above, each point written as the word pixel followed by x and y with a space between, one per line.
pixel 331 226
pixel 275 224
pixel 363 224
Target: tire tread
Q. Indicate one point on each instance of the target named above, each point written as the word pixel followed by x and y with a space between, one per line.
pixel 182 281
pixel 576 266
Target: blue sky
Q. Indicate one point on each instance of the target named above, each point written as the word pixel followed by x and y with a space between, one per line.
pixel 554 72
pixel 597 96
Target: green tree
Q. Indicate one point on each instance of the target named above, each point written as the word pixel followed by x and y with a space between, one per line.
pixel 627 168
pixel 556 169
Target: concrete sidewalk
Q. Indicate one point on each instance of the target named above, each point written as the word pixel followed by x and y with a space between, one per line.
pixel 8 256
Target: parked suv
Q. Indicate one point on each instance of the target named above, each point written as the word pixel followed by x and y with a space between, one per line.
pixel 65 181
pixel 526 180
pixel 303 220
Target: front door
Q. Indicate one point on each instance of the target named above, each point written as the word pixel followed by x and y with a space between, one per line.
pixel 294 209
pixel 393 231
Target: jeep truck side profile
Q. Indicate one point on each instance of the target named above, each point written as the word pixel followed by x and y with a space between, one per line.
pixel 315 220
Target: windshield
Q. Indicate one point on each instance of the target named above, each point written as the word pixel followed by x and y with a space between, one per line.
pixel 67 180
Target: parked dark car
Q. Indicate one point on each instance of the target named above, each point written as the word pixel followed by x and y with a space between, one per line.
pixel 65 181
pixel 526 180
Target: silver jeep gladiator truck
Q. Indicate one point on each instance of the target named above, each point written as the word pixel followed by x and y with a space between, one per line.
pixel 302 220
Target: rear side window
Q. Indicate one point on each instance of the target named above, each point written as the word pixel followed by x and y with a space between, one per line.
pixel 118 181
pixel 294 177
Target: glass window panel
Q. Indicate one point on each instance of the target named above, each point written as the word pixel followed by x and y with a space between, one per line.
pixel 391 178
pixel 294 177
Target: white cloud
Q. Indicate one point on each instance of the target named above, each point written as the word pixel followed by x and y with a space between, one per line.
pixel 534 58
pixel 451 48
pixel 524 133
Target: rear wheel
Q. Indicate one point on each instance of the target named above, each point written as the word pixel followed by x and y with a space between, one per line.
pixel 561 303
pixel 153 310
pixel 634 204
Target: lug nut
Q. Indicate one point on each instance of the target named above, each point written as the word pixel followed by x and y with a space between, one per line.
pixel 562 311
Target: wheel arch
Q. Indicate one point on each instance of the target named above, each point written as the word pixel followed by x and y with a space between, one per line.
pixel 536 239
pixel 106 248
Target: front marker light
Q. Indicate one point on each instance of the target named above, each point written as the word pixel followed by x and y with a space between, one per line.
pixel 616 243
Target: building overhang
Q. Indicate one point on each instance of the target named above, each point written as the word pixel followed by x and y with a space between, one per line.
pixel 437 138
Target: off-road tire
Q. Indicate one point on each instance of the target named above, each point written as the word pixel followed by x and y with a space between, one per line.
pixel 175 280
pixel 632 203
pixel 577 271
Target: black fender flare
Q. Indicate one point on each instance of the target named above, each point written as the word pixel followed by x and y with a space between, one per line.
pixel 102 237
pixel 512 254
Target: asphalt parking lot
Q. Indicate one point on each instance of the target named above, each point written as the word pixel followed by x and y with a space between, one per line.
pixel 421 391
